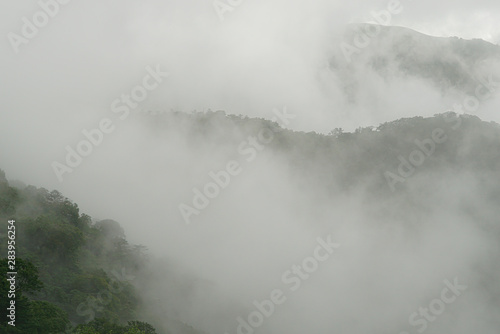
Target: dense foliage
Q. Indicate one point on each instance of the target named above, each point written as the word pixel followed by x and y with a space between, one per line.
pixel 75 270
pixel 71 270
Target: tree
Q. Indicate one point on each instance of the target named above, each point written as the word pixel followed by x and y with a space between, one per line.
pixel 27 280
pixel 35 317
pixel 105 326
pixel 100 326
pixel 337 132
pixel 52 237
pixel 134 330
pixel 47 318
pixel 9 196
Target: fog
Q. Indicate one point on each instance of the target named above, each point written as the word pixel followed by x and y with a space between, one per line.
pixel 264 56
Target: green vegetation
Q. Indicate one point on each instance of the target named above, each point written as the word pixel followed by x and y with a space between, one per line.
pixel 70 269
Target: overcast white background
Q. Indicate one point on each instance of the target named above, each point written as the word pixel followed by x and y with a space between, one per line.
pixel 265 55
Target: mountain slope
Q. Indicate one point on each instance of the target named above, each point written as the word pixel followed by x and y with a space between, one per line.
pixel 450 64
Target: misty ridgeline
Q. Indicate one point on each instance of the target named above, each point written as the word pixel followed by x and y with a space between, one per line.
pixel 389 227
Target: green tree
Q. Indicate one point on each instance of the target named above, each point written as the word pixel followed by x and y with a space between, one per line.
pixel 100 326
pixel 52 238
pixel 144 327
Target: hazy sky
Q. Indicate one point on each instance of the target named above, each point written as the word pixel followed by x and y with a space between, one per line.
pixel 263 55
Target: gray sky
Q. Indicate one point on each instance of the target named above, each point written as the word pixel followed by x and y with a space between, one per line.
pixel 264 55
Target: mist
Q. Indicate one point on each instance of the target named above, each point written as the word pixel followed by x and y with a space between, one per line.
pixel 259 59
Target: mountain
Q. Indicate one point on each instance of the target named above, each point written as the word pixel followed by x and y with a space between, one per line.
pixel 406 174
pixel 72 270
pixel 450 64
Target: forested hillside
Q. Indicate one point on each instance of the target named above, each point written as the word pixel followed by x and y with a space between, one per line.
pixel 71 270
pixel 351 159
pixel 74 270
pixel 450 64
